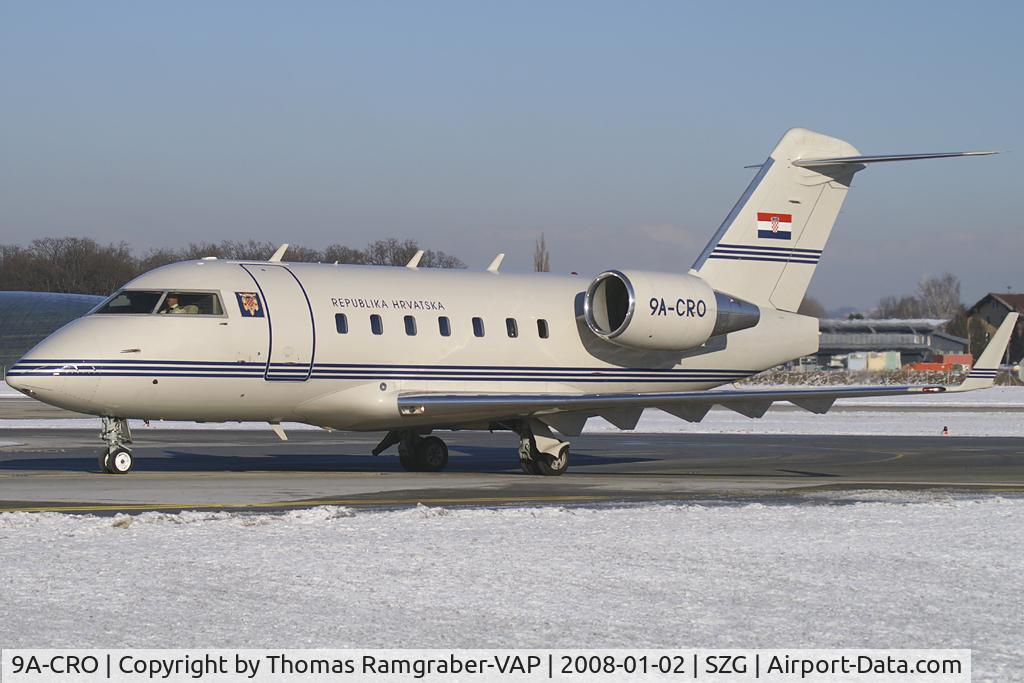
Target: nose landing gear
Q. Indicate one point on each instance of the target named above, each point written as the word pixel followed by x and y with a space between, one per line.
pixel 116 458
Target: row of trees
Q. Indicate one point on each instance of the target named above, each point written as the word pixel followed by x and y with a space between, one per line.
pixel 936 297
pixel 83 266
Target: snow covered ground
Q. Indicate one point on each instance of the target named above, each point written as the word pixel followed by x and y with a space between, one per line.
pixel 870 569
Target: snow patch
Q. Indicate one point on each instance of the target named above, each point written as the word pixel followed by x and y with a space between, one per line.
pixel 860 569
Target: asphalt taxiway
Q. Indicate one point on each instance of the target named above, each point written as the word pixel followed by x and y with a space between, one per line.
pixel 56 469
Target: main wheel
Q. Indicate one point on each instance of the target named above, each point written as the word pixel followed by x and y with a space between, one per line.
pixel 528 455
pixel 408 460
pixel 529 466
pixel 432 454
pixel 120 461
pixel 104 461
pixel 552 466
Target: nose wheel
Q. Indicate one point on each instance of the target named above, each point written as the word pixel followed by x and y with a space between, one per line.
pixel 116 458
pixel 119 461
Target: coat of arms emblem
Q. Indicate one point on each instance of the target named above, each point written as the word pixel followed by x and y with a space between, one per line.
pixel 249 304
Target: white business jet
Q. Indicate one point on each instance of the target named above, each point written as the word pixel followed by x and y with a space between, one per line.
pixel 410 351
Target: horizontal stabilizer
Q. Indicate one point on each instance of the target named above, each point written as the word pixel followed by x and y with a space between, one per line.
pixel 878 158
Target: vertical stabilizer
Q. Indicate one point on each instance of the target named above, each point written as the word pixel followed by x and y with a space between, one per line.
pixel 768 246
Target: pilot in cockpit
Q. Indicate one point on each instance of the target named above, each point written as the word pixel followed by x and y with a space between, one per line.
pixel 170 305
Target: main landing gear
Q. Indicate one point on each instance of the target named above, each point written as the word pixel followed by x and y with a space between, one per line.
pixel 416 453
pixel 116 458
pixel 539 451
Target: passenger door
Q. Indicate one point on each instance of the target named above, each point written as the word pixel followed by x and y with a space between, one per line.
pixel 289 320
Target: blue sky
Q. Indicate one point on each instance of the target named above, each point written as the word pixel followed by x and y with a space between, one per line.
pixel 619 130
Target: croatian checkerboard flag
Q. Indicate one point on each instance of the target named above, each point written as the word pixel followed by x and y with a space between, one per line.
pixel 775 226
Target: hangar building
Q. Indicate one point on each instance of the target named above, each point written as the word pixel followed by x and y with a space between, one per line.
pixel 914 339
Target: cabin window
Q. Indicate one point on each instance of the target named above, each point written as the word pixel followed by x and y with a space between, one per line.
pixel 478 327
pixel 131 301
pixel 376 325
pixel 512 327
pixel 341 323
pixel 444 326
pixel 410 325
pixel 542 328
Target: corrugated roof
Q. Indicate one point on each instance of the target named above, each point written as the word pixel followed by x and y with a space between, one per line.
pixel 888 324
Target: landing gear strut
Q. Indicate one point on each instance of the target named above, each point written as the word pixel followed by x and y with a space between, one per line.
pixel 416 453
pixel 539 451
pixel 116 458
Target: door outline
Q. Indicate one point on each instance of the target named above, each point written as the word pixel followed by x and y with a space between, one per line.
pixel 270 322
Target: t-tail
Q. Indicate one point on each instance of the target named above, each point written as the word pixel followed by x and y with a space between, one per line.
pixel 768 246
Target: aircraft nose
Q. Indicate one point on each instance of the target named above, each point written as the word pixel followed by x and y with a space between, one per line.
pixel 26 377
pixel 52 372
pixel 16 381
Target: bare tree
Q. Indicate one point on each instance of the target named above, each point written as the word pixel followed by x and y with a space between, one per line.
pixel 68 264
pixel 902 307
pixel 439 259
pixel 541 257
pixel 339 253
pixel 251 250
pixel 392 252
pixel 939 296
pixel 301 254
pixel 81 265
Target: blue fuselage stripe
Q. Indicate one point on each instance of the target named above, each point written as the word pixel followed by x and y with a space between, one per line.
pixel 745 257
pixel 365 371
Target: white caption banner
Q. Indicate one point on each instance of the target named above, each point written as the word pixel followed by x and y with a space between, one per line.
pixel 589 665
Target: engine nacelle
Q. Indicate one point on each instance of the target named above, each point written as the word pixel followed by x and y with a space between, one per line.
pixel 663 311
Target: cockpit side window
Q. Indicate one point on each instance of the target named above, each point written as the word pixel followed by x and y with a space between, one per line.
pixel 131 301
pixel 191 303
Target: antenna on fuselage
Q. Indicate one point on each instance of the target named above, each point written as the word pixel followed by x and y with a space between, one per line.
pixel 279 254
pixel 414 262
pixel 496 263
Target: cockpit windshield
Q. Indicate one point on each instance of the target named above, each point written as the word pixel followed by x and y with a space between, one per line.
pixel 131 301
pixel 148 302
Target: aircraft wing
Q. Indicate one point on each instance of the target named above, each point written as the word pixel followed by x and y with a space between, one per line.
pixel 569 412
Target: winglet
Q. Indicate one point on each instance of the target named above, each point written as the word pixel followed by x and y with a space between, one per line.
pixel 983 374
pixel 279 254
pixel 495 264
pixel 414 262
